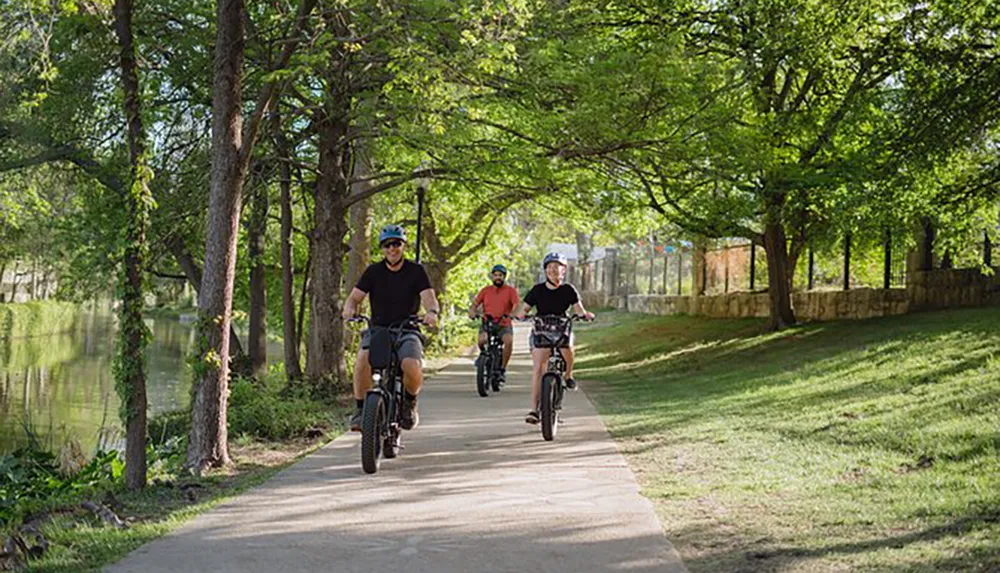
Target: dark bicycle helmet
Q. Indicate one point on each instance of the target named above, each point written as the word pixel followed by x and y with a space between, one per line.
pixel 555 258
pixel 391 232
pixel 500 268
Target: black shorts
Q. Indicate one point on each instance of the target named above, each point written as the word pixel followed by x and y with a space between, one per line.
pixel 543 341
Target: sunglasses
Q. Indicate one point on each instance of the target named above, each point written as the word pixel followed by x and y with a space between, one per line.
pixel 392 244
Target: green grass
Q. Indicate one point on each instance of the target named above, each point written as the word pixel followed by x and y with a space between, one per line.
pixel 270 427
pixel 847 446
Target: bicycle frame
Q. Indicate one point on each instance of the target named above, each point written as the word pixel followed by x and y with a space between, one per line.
pixel 389 380
pixel 494 342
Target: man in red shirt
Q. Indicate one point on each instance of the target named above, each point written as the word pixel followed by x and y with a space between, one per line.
pixel 497 300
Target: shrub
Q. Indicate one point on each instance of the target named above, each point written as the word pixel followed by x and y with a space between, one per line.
pixel 264 411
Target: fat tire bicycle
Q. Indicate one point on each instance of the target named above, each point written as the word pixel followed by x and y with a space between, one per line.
pixel 381 416
pixel 490 361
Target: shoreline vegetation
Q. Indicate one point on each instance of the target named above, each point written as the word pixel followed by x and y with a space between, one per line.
pixel 65 509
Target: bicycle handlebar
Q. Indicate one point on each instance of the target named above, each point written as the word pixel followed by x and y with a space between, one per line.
pixel 573 317
pixel 493 318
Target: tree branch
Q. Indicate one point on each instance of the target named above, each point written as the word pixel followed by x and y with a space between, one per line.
pixel 267 94
pixel 376 189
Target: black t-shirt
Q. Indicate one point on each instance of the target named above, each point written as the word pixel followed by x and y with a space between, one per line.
pixel 552 301
pixel 395 295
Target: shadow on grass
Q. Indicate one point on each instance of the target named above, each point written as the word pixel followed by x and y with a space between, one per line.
pixel 725 367
pixel 763 555
pixel 919 388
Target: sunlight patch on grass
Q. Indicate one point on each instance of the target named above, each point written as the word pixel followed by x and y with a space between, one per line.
pixel 844 446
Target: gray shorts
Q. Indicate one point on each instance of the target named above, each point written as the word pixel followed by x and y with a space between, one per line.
pixel 504 330
pixel 409 345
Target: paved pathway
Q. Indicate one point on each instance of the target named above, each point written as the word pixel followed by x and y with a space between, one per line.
pixel 476 489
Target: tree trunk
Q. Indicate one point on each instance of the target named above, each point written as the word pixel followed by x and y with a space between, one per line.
pixel 927 244
pixel 293 368
pixel 437 272
pixel 193 273
pixel 208 443
pixel 34 280
pixel 359 256
pixel 257 341
pixel 360 216
pixel 3 271
pixel 13 283
pixel 130 366
pixel 698 267
pixel 796 249
pixel 583 248
pixel 306 291
pixel 325 355
pixel 777 266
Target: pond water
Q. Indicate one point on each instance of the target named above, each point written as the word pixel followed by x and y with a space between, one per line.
pixel 61 385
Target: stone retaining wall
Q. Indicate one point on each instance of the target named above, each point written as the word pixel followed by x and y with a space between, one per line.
pixel 926 290
pixel 815 305
pixel 947 288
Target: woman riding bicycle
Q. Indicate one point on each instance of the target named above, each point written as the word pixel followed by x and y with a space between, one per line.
pixel 552 297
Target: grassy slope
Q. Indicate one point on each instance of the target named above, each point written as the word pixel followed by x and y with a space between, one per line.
pixel 829 447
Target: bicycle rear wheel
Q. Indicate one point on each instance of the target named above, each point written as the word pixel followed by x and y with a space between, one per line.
pixel 372 425
pixel 393 444
pixel 547 407
pixel 495 374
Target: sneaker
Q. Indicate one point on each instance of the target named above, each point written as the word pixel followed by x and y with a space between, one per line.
pixel 502 376
pixel 356 421
pixel 571 384
pixel 532 417
pixel 409 417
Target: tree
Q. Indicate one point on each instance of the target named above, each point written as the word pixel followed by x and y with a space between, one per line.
pixel 293 366
pixel 256 231
pixel 730 119
pixel 232 148
pixel 130 371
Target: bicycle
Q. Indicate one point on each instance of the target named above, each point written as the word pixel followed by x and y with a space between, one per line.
pixel 552 332
pixel 490 361
pixel 381 428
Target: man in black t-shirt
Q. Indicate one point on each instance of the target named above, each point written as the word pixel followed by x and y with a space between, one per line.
pixel 552 297
pixel 397 287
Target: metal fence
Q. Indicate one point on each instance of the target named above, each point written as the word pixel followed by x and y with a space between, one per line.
pixel 640 268
pixel 645 267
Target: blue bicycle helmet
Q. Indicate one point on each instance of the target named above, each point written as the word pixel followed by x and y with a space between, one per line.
pixel 500 268
pixel 391 232
pixel 555 258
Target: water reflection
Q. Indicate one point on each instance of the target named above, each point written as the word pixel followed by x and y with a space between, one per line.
pixel 62 385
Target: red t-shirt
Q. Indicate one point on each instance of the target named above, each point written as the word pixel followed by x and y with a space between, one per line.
pixel 498 301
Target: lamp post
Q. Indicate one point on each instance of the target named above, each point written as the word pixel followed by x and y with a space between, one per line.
pixel 422 182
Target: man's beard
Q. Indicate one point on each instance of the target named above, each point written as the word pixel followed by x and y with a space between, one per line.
pixel 498 283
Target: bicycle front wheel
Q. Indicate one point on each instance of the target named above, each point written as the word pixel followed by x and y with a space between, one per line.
pixel 372 425
pixel 483 375
pixel 547 407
